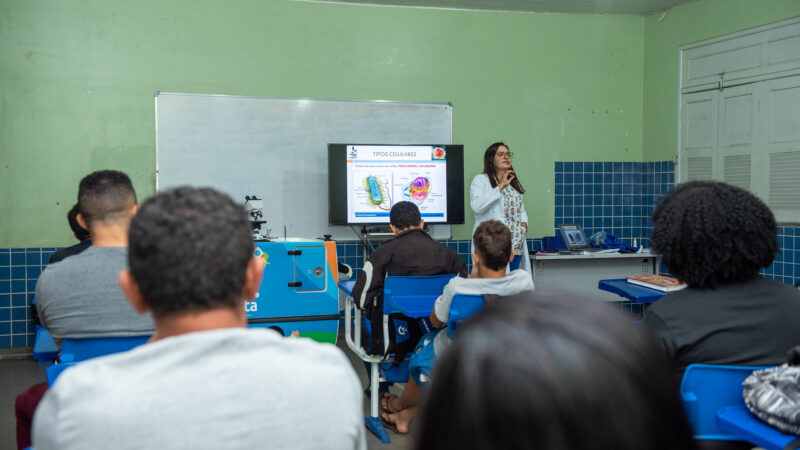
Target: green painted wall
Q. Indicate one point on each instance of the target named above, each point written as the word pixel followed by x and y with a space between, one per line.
pixel 683 25
pixel 78 78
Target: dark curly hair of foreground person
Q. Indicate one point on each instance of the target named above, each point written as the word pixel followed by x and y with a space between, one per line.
pixel 709 232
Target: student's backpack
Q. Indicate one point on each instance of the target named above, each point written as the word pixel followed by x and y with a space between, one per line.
pixel 773 394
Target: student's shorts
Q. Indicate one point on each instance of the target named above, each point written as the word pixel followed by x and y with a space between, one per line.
pixel 423 358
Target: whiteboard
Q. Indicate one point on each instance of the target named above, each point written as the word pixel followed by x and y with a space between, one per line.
pixel 277 149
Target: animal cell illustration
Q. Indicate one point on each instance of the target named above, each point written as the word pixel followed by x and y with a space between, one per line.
pixel 418 189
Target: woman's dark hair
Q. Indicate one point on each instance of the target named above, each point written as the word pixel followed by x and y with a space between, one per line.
pixel 488 167
pixel 709 232
pixel 550 371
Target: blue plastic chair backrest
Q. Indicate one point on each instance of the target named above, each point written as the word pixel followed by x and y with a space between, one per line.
pixel 75 350
pixel 81 349
pixel 705 388
pixel 462 307
pixel 414 286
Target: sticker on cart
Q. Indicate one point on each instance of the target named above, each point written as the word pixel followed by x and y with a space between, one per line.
pixel 262 255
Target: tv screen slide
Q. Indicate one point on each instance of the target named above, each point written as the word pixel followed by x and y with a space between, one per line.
pixel 366 180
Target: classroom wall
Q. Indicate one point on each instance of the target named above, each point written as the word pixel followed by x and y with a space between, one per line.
pixel 79 76
pixel 685 24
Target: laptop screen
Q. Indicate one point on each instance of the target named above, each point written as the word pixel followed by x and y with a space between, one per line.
pixel 573 236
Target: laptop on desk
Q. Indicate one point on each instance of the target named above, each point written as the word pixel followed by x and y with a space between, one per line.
pixel 575 240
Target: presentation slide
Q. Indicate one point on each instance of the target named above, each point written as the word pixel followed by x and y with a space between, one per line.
pixel 379 176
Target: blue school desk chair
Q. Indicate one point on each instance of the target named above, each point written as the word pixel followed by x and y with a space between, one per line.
pixel 75 350
pixel 633 292
pixel 706 388
pixel 412 297
pixel 462 307
pixel 738 421
pixel 44 348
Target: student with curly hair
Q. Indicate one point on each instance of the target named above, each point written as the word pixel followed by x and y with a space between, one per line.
pixel 716 237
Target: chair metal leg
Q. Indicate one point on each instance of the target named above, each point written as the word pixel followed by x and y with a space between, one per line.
pixel 373 422
pixel 374 390
pixel 353 339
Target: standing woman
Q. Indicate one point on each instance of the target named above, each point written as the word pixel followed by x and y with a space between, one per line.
pixel 496 194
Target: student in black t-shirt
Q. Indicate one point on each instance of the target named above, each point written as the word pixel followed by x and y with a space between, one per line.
pixel 81 234
pixel 717 237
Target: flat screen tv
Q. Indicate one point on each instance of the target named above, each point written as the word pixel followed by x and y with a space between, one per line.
pixel 364 181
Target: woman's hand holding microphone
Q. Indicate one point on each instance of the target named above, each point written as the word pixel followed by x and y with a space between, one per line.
pixel 505 179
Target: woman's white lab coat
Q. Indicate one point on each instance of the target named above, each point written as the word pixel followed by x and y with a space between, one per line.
pixel 487 203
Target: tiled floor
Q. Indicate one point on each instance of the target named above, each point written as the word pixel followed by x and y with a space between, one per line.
pixel 18 374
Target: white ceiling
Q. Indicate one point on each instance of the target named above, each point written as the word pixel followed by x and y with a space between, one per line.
pixel 634 7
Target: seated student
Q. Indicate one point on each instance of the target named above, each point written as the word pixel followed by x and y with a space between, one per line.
pixel 412 252
pixel 552 371
pixel 716 237
pixel 204 380
pixel 492 254
pixel 80 297
pixel 80 233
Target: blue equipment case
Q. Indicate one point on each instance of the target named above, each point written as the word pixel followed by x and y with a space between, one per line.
pixel 298 291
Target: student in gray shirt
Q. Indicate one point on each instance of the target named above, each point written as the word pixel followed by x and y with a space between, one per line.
pixel 492 255
pixel 204 381
pixel 80 297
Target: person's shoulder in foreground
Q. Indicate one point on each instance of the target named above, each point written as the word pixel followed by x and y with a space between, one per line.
pixel 203 381
pixel 226 388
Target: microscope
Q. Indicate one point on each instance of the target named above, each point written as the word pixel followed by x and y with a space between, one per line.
pixel 255 210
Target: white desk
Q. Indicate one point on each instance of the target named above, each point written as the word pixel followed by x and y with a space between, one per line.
pixel 581 273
